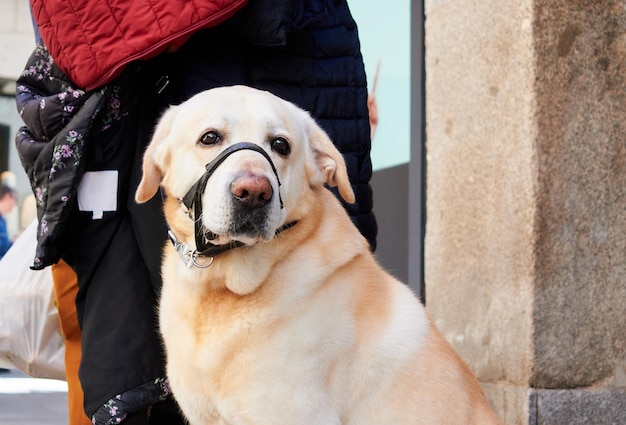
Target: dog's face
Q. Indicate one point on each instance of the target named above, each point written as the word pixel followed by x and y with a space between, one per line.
pixel 244 199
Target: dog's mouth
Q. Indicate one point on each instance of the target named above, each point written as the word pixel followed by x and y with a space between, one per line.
pixel 247 230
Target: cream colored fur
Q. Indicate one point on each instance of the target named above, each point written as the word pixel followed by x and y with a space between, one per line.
pixel 299 328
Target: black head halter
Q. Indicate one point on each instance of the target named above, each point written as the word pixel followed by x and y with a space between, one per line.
pixel 193 201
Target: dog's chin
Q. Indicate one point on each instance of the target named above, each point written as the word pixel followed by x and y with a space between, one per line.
pixel 247 227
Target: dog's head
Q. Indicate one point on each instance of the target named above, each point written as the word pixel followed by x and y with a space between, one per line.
pixel 249 195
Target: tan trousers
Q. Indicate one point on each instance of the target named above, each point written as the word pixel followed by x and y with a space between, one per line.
pixel 65 289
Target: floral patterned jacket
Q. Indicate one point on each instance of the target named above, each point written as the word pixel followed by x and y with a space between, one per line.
pixel 58 118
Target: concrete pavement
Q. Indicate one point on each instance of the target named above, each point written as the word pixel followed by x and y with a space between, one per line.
pixel 29 401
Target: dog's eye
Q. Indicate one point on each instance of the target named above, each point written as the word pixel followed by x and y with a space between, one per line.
pixel 281 146
pixel 210 138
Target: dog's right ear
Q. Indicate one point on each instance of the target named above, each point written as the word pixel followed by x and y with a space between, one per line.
pixel 154 158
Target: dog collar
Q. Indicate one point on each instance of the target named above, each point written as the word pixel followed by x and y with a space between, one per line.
pixel 191 256
pixel 193 201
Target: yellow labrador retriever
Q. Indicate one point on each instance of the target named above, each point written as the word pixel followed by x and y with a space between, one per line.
pixel 273 309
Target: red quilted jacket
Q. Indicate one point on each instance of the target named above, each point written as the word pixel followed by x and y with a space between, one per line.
pixel 92 40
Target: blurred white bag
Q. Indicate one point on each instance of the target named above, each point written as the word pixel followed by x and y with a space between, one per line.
pixel 30 335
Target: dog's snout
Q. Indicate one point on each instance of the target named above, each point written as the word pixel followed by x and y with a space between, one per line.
pixel 252 191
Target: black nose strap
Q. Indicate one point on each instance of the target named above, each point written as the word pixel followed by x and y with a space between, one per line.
pixel 200 185
pixel 193 198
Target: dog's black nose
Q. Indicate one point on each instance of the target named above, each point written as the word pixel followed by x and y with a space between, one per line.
pixel 252 191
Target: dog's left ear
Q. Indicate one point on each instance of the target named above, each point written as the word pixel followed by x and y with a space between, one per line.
pixel 153 159
pixel 330 162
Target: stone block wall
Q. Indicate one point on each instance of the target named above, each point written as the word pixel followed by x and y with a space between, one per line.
pixel 525 250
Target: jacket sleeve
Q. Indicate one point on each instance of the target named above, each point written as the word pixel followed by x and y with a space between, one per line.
pixel 46 99
pixel 58 118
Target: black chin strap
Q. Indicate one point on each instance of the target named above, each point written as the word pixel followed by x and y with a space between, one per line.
pixel 191 257
pixel 193 201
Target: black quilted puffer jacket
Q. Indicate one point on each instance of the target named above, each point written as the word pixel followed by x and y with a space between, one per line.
pixel 288 47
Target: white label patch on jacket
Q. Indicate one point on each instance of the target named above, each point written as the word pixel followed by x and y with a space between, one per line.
pixel 97 192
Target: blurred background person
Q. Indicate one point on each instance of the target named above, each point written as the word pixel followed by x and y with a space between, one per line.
pixel 8 201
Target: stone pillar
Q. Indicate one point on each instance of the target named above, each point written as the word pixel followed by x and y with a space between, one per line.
pixel 525 249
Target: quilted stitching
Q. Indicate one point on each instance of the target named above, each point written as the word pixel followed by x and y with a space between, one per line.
pixel 109 34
